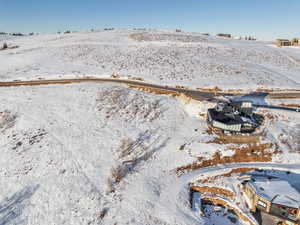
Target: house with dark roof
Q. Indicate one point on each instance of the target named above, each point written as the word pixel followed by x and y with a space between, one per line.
pixel 233 117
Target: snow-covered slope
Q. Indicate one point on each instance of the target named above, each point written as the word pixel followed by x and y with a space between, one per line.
pixel 106 154
pixel 186 59
pixel 62 148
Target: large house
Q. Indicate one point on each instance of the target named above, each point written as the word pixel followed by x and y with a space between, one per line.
pixel 273 196
pixel 233 117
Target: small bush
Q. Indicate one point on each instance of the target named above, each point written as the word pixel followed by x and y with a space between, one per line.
pixel 103 213
pixel 4 46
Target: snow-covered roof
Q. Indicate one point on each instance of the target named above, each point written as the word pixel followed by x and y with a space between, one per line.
pixel 275 190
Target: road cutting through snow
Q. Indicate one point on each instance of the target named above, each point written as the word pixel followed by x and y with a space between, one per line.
pixel 198 95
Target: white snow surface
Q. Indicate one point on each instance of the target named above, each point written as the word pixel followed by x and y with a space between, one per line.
pixel 105 154
pixel 272 190
pixel 62 147
pixel 163 57
pixel 59 145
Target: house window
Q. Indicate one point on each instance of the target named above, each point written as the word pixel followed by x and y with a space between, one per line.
pixel 261 204
pixel 284 211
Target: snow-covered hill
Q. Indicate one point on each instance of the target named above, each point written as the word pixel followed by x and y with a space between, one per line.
pixel 104 154
pixel 107 154
pixel 185 59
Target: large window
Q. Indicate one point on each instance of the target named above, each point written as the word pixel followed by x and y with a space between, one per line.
pixel 261 205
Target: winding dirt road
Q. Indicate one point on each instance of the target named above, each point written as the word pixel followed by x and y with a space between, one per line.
pixel 194 94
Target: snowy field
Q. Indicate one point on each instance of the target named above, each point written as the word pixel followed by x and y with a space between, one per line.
pixel 104 154
pixel 107 154
pixel 162 57
pixel 61 148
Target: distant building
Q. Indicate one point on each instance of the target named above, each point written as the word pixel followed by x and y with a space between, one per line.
pixel 233 117
pixel 273 196
pixel 285 42
pixel 224 35
pixel 178 30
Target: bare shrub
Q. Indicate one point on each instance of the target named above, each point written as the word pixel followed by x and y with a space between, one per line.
pixel 110 186
pixel 102 213
pixel 129 105
pixel 121 171
pixel 4 46
pixel 7 120
pixel 128 164
pixel 117 173
pixel 126 147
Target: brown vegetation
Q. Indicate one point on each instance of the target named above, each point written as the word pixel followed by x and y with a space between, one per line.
pixel 223 139
pixel 248 153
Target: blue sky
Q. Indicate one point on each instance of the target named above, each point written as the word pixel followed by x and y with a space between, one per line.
pixel 266 19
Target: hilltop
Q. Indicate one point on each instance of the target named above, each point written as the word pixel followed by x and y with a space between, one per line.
pixel 162 57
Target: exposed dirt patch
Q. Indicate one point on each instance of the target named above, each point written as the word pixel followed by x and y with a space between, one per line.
pixel 214 190
pixel 291 105
pixel 223 139
pixel 248 153
pixel 264 90
pixel 156 91
pixel 204 115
